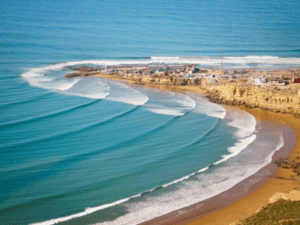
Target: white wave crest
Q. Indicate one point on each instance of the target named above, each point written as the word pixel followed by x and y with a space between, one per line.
pixel 244 122
pixel 85 212
pixel 93 88
pixel 173 104
pixel 191 192
pixel 242 60
pixel 170 112
pixel 208 108
pixel 237 148
pixel 38 77
pixel 279 146
pixel 185 177
pixel 121 92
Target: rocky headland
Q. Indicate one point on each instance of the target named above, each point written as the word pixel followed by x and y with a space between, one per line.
pixel 275 91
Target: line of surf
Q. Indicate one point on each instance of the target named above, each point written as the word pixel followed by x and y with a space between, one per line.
pixel 185 105
pixel 209 108
pixel 120 92
pixel 127 143
pixel 137 217
pixel 246 125
pixel 82 156
pixel 234 150
pixel 204 135
pixel 124 200
pixel 177 59
pixel 86 212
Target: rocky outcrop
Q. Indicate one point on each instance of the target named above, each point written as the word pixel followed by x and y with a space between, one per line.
pixel 292 196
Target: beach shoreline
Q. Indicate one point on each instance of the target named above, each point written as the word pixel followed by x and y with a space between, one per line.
pixel 284 181
pixel 269 179
pixel 197 213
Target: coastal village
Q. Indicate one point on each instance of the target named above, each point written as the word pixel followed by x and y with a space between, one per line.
pixel 277 91
pixel 190 75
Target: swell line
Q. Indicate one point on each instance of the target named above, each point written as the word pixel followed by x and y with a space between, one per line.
pixel 51 115
pixel 75 131
pixel 42 200
pixel 82 156
pixel 26 101
pixel 124 143
pixel 97 208
pixel 203 136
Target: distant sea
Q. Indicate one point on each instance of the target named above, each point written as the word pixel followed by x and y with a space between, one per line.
pixel 93 150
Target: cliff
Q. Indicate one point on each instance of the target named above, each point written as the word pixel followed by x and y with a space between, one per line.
pixel 276 99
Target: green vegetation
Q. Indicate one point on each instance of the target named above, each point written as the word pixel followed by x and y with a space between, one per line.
pixel 282 212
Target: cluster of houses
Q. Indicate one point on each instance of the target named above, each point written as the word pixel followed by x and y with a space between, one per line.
pixel 192 72
pixel 275 81
pixel 179 70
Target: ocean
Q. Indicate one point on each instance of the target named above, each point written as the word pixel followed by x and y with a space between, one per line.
pixel 92 150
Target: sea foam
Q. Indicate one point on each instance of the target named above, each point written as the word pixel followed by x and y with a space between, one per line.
pixel 174 104
pixel 243 121
pixel 190 192
pixel 237 62
pixel 208 108
pixel 121 92
pixel 246 125
pixel 88 88
pixel 37 76
pixel 93 88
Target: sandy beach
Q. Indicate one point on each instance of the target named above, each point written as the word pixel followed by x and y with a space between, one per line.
pixel 283 182
pixel 251 194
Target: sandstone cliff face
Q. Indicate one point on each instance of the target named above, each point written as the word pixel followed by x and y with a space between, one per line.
pixel 163 80
pixel 271 98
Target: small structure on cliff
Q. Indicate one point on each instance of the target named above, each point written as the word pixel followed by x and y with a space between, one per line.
pixel 296 80
pixel 260 80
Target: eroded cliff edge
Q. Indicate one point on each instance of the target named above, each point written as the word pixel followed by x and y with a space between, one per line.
pixel 275 99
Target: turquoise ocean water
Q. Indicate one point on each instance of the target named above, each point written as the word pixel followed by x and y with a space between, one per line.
pixel 92 150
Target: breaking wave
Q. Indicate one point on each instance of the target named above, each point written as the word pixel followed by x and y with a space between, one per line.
pixel 174 104
pixel 193 190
